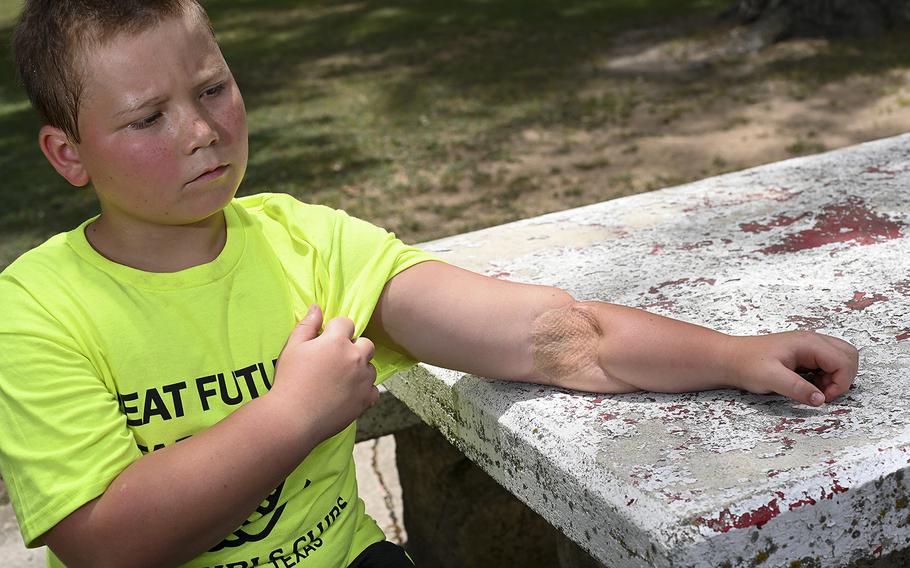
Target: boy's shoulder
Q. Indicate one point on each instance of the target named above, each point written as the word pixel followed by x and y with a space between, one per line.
pixel 50 259
pixel 39 278
pixel 278 205
pixel 318 224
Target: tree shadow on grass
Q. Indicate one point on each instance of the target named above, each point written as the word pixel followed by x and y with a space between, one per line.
pixel 429 72
pixel 34 197
pixel 436 65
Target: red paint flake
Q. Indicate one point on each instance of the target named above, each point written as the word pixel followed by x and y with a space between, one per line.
pixel 673 496
pixel 830 462
pixel 903 335
pixel 784 422
pixel 779 221
pixel 879 170
pixel 835 489
pixel 807 501
pixel 656 289
pixel 727 521
pixel 608 416
pixel 878 550
pixel 861 302
pixel 693 246
pixel 773 473
pixel 657 249
pixel 807 322
pixel 598 400
pixel 788 443
pixel 846 222
pixel 830 424
pixel 841 411
pixel 665 304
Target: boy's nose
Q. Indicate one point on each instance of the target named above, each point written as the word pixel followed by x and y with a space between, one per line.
pixel 201 134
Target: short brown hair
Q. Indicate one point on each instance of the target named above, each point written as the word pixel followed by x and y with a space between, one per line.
pixel 52 35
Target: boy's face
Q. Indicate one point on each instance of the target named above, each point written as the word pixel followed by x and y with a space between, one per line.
pixel 162 125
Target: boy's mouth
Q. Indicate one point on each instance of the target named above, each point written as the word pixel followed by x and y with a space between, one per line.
pixel 211 173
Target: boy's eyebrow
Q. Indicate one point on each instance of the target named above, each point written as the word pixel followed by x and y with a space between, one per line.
pixel 210 74
pixel 140 105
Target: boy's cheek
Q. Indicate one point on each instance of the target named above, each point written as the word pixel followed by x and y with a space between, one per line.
pixel 233 123
pixel 152 163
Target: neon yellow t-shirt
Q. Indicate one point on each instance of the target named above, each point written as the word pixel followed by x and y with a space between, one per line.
pixel 101 363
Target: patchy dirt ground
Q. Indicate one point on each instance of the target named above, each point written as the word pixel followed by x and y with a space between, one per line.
pixel 683 108
pixel 437 118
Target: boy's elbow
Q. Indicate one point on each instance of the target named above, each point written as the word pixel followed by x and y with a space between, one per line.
pixel 567 342
pixel 564 340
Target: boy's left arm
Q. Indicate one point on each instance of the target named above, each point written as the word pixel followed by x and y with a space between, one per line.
pixel 458 319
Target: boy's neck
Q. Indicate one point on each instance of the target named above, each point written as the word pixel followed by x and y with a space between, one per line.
pixel 158 248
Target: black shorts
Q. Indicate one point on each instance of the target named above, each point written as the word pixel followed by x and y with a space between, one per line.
pixel 383 554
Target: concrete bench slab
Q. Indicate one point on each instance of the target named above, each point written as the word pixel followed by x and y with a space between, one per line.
pixel 718 478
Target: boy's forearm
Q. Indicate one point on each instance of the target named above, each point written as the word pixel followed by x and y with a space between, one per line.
pixel 655 353
pixel 164 511
pixel 599 347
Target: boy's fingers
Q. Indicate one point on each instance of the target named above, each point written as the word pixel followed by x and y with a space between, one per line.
pixel 790 384
pixel 837 359
pixel 340 326
pixel 367 346
pixel 307 328
pixel 374 395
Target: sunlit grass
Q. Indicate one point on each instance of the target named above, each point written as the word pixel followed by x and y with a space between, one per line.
pixel 406 112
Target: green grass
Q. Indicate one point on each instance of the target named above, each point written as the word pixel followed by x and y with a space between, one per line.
pixel 367 105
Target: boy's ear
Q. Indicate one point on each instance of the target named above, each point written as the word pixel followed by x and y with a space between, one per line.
pixel 62 154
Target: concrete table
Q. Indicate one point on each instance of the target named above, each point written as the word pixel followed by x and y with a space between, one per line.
pixel 718 478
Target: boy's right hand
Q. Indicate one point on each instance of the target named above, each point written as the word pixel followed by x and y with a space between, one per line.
pixel 325 381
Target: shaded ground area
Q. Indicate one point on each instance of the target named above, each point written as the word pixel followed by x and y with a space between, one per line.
pixel 433 118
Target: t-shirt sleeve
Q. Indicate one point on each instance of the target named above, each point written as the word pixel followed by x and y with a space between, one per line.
pixel 355 260
pixel 62 436
pixel 361 260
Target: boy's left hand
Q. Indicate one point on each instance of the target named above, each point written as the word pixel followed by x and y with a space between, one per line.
pixel 808 367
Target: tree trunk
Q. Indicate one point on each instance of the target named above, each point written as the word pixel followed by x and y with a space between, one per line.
pixel 768 21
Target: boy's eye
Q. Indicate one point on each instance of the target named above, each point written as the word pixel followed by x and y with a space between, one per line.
pixel 145 122
pixel 213 91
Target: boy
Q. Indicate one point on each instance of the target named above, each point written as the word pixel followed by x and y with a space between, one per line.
pixel 144 409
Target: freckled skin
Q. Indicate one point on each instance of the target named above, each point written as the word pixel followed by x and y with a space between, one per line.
pixel 142 161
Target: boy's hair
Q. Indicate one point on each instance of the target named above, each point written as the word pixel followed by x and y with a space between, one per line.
pixel 52 38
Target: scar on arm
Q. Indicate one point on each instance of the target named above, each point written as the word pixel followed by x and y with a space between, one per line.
pixel 564 343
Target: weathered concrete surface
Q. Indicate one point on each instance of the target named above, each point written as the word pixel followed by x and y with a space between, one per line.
pixel 718 478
